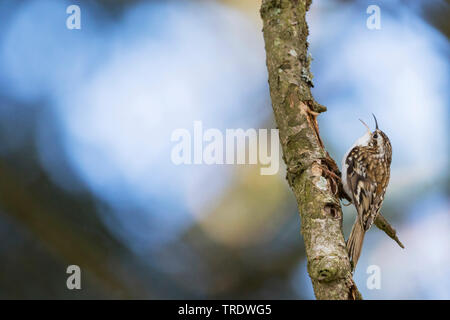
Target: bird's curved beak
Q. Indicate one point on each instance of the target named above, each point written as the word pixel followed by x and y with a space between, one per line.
pixel 376 122
pixel 368 129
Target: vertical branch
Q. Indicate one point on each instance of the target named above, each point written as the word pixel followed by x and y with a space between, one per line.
pixel 311 173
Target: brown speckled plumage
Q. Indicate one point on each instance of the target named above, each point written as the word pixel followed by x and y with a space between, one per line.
pixel 367 177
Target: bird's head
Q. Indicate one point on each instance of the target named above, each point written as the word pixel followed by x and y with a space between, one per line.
pixel 378 140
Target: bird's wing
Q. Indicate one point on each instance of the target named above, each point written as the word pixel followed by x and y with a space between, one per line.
pixel 362 187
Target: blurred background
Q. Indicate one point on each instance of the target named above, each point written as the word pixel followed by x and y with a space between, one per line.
pixel 86 118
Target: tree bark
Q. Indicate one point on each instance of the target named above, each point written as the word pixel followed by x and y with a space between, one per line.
pixel 311 173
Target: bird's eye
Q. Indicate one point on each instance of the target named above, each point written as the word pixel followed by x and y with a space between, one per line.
pixel 375 136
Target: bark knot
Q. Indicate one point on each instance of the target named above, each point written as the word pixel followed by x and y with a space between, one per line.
pixel 327 268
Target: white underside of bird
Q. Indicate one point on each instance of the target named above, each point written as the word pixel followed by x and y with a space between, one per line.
pixel 362 141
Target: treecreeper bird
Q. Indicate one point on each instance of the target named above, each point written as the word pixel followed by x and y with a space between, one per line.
pixel 365 176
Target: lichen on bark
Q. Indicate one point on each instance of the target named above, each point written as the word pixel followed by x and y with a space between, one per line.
pixel 311 173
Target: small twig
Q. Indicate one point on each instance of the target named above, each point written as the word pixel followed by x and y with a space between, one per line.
pixel 384 225
pixel 380 221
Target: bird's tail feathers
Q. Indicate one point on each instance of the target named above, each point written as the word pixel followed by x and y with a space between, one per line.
pixel 355 243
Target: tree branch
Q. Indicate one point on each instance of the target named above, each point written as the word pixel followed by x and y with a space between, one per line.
pixel 380 221
pixel 384 225
pixel 311 173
